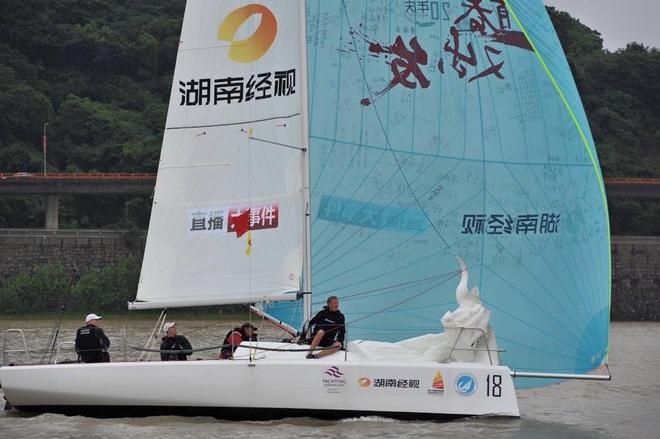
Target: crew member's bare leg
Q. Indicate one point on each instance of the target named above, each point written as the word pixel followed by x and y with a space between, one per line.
pixel 329 350
pixel 315 341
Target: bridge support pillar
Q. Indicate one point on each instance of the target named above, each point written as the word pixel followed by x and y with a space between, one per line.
pixel 52 211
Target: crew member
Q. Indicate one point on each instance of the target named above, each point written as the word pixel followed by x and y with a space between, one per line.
pixel 329 329
pixel 91 343
pixel 174 342
pixel 232 340
pixel 249 332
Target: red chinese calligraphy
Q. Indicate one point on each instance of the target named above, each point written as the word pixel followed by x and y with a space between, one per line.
pixel 406 62
pixel 458 57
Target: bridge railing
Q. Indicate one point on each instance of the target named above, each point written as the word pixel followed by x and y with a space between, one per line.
pixel 21 176
pixel 631 180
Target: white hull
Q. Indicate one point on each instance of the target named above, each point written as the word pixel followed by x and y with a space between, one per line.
pixel 274 385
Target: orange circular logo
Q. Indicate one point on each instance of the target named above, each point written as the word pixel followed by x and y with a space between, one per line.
pixel 255 46
pixel 364 382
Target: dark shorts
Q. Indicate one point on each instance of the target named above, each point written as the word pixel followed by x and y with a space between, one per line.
pixel 327 341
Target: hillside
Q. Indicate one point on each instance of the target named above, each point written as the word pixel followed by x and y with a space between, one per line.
pixel 99 73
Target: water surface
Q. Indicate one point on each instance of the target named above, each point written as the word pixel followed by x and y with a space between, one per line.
pixel 626 407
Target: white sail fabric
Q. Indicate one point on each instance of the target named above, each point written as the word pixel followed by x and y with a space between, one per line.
pixel 467 335
pixel 232 142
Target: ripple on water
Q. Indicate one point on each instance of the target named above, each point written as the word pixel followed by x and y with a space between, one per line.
pixel 626 407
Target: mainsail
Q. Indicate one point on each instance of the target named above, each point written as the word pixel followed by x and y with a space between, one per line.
pixel 445 129
pixel 231 161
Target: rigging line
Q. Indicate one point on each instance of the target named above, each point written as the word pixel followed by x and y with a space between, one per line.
pixel 416 281
pixel 277 143
pixel 400 302
pixel 390 291
pixel 390 249
pixel 583 136
pixel 390 287
pixel 410 310
pixel 230 124
pixel 390 272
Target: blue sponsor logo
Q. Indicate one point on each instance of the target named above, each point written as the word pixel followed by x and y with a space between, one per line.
pixel 465 384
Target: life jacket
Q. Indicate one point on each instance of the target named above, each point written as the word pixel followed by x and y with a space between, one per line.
pixel 231 342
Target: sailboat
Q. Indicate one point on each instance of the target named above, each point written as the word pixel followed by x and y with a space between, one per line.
pixel 428 162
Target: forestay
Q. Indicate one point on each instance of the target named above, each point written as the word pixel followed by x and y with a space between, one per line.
pixel 454 128
pixel 232 142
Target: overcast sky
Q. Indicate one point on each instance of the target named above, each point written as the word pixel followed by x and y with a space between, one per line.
pixel 618 21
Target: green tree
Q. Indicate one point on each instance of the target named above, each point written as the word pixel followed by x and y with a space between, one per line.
pixel 44 290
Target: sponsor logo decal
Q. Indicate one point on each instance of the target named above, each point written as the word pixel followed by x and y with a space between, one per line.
pixel 334 372
pixel 364 382
pixel 261 217
pixel 394 383
pixel 438 386
pixel 333 380
pixel 465 384
pixel 223 219
pixel 256 45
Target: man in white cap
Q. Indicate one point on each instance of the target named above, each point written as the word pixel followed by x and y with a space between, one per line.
pixel 91 343
pixel 173 342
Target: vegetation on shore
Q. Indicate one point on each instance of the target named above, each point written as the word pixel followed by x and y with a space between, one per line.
pixel 99 72
pixel 106 290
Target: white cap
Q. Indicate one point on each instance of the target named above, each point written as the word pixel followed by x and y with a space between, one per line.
pixel 168 325
pixel 92 317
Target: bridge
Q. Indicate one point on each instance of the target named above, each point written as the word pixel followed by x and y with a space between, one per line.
pixel 55 184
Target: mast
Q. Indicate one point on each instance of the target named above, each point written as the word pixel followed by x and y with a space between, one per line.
pixel 307 244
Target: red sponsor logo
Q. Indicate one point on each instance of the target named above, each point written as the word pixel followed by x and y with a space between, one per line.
pixel 265 216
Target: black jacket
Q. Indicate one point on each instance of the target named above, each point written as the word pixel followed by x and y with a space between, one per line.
pixel 176 343
pixel 92 345
pixel 332 322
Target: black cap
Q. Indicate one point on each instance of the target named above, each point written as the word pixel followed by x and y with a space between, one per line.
pixel 248 325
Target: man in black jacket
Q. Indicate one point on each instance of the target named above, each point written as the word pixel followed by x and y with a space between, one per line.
pixel 329 329
pixel 173 342
pixel 91 343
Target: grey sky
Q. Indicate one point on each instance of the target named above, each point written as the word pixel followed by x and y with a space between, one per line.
pixel 618 21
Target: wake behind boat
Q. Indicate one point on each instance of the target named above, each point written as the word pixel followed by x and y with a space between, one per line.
pixel 359 149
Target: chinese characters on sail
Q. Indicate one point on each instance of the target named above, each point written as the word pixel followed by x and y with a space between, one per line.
pixel 501 224
pixel 208 91
pixel 473 48
pixel 426 8
pixel 216 220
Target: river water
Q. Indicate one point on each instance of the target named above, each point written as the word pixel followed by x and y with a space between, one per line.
pixel 627 407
